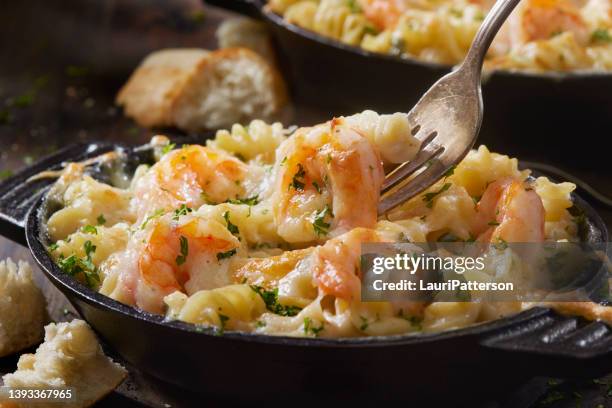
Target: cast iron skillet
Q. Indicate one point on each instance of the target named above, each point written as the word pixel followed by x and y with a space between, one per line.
pixel 524 112
pixel 485 358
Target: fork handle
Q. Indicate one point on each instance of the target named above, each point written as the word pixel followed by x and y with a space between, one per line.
pixel 485 35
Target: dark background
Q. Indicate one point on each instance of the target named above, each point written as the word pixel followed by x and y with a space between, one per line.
pixel 61 64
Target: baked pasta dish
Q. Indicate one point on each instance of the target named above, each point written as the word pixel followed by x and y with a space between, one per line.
pixel 558 35
pixel 260 229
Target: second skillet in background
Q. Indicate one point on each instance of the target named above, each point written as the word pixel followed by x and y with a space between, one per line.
pixel 563 114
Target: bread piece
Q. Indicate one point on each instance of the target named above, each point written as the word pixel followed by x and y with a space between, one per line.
pixel 22 308
pixel 248 33
pixel 196 89
pixel 70 357
pixel 154 86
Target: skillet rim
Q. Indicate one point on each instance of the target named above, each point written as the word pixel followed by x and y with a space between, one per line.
pixel 65 283
pixel 556 76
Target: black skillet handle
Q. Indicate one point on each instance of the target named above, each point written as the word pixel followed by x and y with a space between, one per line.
pixel 19 192
pixel 250 8
pixel 555 345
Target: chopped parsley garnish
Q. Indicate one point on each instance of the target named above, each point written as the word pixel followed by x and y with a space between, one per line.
pixel 101 220
pixel 493 223
pixel 270 298
pixel 428 197
pixel 309 328
pixel 260 324
pixel 182 210
pixel 449 172
pixel 182 258
pixel 247 201
pixel 296 182
pixel 415 321
pixel 75 266
pixel 352 4
pixel 227 254
pixel 551 397
pixel 316 186
pixel 90 229
pixel 320 226
pixel 364 323
pixel 282 163
pixel 223 320
pixel 168 148
pixel 157 213
pixel 601 35
pixel 53 247
pixel 4 174
pixel 231 227
pixel 501 244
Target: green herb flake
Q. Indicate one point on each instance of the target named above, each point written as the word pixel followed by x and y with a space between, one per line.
pixel 25 100
pixel 101 220
pixel 601 35
pixel 75 266
pixel 246 201
pixel 53 247
pixel 449 172
pixel 168 148
pixel 259 324
pixel 90 229
pixel 429 197
pixel 225 255
pixel 309 327
pixel 364 323
pixel 317 187
pixel 223 319
pixel 156 214
pixel 182 258
pixel 321 228
pixel 493 223
pixel 270 298
pixel 231 227
pixel 552 397
pixel 182 210
pixel 353 6
pixel 296 183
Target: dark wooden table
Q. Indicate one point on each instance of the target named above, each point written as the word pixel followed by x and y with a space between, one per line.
pixel 61 63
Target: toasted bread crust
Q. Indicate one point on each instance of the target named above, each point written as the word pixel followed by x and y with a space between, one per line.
pixel 150 92
pixel 161 89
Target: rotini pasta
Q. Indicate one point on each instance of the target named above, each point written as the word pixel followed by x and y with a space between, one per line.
pixel 261 230
pixel 541 35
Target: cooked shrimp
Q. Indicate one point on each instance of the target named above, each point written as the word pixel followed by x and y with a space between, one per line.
pixel 384 13
pixel 328 182
pixel 336 265
pixel 509 211
pixel 174 255
pixel 193 175
pixel 541 19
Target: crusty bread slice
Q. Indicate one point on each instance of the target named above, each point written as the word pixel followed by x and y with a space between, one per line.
pixel 152 89
pixel 22 308
pixel 70 357
pixel 196 89
pixel 247 33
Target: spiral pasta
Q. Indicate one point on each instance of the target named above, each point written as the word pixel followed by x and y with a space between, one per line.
pixel 278 250
pixel 228 306
pixel 557 35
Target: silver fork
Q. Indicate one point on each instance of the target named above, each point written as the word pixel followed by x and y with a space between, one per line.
pixel 446 119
